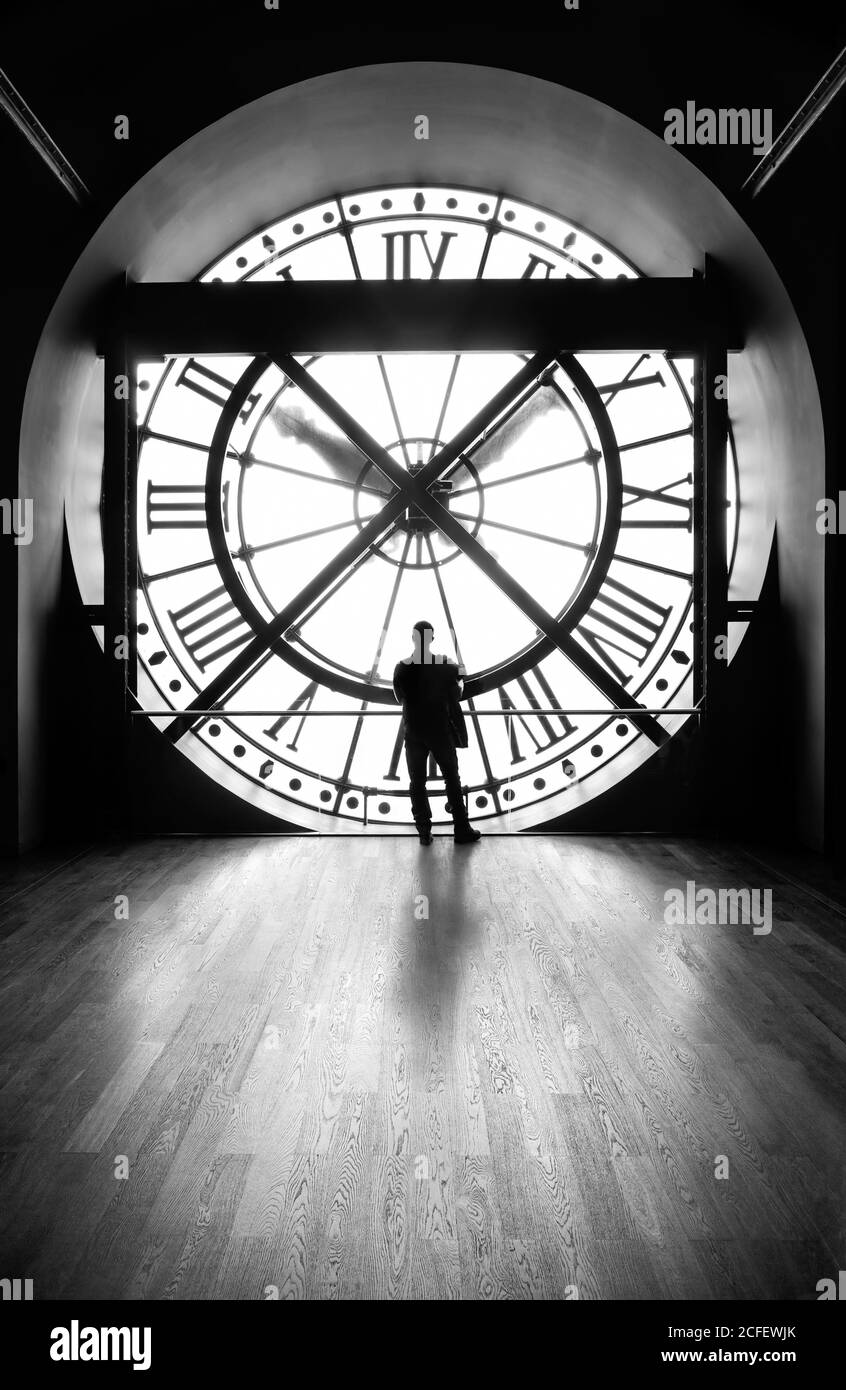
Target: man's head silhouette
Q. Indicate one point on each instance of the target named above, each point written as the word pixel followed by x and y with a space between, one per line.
pixel 423 632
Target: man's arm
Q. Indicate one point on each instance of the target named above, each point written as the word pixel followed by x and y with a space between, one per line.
pixel 455 684
pixel 399 682
pixel 456 713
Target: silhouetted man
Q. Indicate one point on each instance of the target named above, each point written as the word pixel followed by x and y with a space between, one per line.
pixel 428 687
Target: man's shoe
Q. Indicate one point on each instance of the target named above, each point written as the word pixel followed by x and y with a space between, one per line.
pixel 467 836
pixel 425 836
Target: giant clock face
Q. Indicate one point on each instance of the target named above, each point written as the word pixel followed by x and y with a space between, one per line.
pixel 581 487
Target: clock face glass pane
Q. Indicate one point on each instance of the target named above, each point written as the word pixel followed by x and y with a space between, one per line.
pixel 581 489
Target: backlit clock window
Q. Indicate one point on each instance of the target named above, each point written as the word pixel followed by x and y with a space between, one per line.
pixel 582 489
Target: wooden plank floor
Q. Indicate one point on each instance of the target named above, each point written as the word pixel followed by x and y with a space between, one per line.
pixel 305 1068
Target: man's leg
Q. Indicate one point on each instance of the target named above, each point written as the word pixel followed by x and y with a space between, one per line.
pixel 443 750
pixel 417 761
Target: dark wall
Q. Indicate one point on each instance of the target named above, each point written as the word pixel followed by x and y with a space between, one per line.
pixel 25 307
pixel 174 68
pixel 800 217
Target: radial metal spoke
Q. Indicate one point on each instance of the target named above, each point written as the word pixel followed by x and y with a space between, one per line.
pixel 250 460
pixel 180 569
pixel 483 260
pixel 655 439
pixel 356 269
pixel 445 404
pixel 145 433
pixel 651 565
pixel 521 531
pixel 589 456
pixel 250 550
pixel 394 412
pixel 493 227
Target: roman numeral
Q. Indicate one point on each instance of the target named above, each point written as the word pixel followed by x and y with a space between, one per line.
pixel 213 386
pixel 392 775
pixel 180 507
pixel 175 508
pixel 147 433
pixel 640 626
pixel 306 698
pixel 630 383
pixel 531 267
pixel 436 263
pixel 549 733
pixel 644 494
pixel 210 627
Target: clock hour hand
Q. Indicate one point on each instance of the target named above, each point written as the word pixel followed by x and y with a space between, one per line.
pixel 507 432
pixel 496 443
pixel 343 458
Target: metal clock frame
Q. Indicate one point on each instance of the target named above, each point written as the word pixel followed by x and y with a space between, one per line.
pixel 556 318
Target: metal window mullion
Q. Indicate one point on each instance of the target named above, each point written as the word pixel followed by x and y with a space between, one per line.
pixel 698 526
pixel 715 437
pixel 131 533
pixel 119 560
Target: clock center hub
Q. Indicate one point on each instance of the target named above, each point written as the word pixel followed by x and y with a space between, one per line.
pixel 415 522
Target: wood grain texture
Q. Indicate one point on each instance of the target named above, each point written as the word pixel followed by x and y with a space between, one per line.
pixel 341 1069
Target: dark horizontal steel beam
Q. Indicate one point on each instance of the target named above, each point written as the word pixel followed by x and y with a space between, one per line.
pixel 672 315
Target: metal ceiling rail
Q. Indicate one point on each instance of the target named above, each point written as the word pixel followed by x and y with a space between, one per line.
pixel 799 124
pixel 31 128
